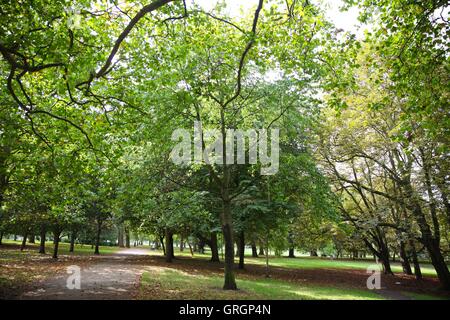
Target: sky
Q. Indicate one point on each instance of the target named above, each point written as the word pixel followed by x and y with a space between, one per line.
pixel 342 20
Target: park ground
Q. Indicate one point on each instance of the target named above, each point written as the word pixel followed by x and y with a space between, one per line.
pixel 141 273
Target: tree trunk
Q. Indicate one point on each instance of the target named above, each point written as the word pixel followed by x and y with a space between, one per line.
pixel 384 257
pixel 438 262
pixel 24 242
pixel 254 250
pixel 120 242
pixel 291 253
pixel 31 238
pixel 56 235
pixel 382 253
pixel 42 235
pixel 161 239
pixel 73 236
pixel 97 238
pixel 313 253
pixel 182 244
pixel 190 249
pixel 386 263
pixel 241 249
pixel 404 258
pixel 261 250
pixel 267 256
pixel 169 246
pixel 127 238
pixel 432 203
pixel 417 271
pixel 427 238
pixel 1 237
pixel 201 246
pixel 227 230
pixel 214 248
pixel 291 245
pixel 172 248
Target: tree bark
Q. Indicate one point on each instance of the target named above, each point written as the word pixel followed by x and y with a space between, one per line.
pixel 31 238
pixel 182 244
pixel 24 242
pixel 432 203
pixel 201 246
pixel 261 250
pixel 227 230
pixel 214 248
pixel 169 246
pixel 161 239
pixel 190 249
pixel 97 237
pixel 427 239
pixel 241 249
pixel 382 253
pixel 438 262
pixel 291 253
pixel 127 238
pixel 56 235
pixel 254 250
pixel 42 236
pixel 73 236
pixel 172 247
pixel 404 258
pixel 120 242
pixel 417 271
pixel 291 246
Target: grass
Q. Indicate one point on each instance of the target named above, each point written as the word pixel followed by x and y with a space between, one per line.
pixel 297 263
pixel 422 296
pixel 63 248
pixel 165 283
pixel 313 263
pixel 323 263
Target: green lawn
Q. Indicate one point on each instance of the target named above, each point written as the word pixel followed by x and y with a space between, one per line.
pixel 168 283
pixel 313 263
pixel 64 248
pixel 317 263
pixel 421 296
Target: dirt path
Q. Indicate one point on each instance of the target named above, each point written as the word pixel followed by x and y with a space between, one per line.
pixel 108 277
